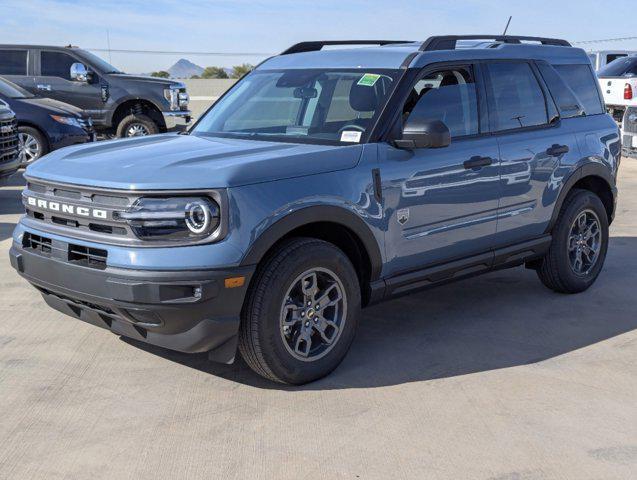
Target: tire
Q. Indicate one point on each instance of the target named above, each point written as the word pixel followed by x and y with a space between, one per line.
pixel 559 269
pixel 271 348
pixel 33 145
pixel 136 126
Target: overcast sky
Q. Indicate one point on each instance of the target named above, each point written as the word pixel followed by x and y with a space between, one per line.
pixel 272 25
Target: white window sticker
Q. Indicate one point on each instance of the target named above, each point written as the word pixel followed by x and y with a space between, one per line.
pixel 351 136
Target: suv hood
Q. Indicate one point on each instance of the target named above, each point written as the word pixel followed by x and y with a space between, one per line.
pixel 182 162
pixel 50 105
pixel 141 78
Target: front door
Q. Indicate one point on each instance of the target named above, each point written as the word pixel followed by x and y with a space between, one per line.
pixel 54 81
pixel 441 204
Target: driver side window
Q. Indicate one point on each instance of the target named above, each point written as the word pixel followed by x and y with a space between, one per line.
pixel 448 95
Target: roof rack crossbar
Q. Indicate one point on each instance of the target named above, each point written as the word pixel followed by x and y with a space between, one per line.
pixel 448 42
pixel 319 44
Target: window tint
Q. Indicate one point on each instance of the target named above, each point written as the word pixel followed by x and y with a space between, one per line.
pixel 516 95
pixel 13 62
pixel 567 103
pixel 614 56
pixel 584 84
pixel 56 64
pixel 449 96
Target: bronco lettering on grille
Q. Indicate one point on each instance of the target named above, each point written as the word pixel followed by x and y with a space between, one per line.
pixel 66 208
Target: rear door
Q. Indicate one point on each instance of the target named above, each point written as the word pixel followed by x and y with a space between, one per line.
pixel 53 80
pixel 534 146
pixel 15 66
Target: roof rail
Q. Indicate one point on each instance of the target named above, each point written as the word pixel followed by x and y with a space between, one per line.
pixel 448 42
pixel 319 44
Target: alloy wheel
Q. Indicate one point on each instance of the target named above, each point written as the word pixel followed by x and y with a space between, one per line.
pixel 137 130
pixel 313 314
pixel 584 242
pixel 29 148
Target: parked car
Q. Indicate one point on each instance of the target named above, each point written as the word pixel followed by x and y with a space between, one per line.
pixel 323 182
pixel 618 81
pixel 119 104
pixel 604 57
pixel 44 124
pixel 9 162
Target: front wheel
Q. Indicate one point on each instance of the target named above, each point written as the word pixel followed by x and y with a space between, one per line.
pixel 136 126
pixel 31 145
pixel 301 313
pixel 579 244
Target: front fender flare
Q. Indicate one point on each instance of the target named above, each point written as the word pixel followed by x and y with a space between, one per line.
pixel 314 214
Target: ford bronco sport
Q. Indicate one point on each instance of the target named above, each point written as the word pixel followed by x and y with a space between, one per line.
pixel 323 182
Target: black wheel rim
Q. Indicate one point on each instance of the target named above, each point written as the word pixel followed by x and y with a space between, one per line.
pixel 584 242
pixel 313 314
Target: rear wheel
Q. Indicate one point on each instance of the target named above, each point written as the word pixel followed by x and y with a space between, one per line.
pixel 579 244
pixel 301 313
pixel 32 145
pixel 136 126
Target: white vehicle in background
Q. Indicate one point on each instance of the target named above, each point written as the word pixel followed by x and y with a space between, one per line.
pixel 629 132
pixel 618 82
pixel 601 58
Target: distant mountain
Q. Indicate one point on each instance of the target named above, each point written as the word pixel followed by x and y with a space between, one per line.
pixel 184 69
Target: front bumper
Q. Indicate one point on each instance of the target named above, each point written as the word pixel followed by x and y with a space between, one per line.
pixel 177 121
pixel 9 168
pixel 187 311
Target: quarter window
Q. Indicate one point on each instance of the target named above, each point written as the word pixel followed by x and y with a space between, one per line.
pixel 449 96
pixel 13 62
pixel 584 84
pixel 517 97
pixel 56 64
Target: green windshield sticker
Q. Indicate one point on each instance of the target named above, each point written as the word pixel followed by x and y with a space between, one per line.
pixel 369 80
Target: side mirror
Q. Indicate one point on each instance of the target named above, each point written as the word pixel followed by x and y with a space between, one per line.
pixel 80 73
pixel 424 133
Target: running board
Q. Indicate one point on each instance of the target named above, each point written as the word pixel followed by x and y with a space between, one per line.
pixel 506 257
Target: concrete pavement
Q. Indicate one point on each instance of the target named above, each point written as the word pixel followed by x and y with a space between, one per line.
pixel 492 378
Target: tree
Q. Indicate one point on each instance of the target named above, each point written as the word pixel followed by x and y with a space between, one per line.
pixel 240 70
pixel 195 77
pixel 160 74
pixel 214 72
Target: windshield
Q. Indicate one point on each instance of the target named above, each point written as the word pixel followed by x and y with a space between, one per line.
pixel 622 67
pixel 99 64
pixel 304 106
pixel 11 90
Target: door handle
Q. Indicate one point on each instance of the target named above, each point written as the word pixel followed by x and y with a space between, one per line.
pixel 557 150
pixel 41 86
pixel 478 162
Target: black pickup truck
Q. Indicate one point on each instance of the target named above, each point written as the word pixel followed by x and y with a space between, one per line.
pixel 9 162
pixel 119 104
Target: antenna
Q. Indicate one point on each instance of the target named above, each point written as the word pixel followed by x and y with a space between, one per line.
pixel 508 23
pixel 108 42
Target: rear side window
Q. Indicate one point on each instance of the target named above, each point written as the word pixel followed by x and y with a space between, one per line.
pixel 619 68
pixel 582 81
pixel 517 98
pixel 567 103
pixel 56 64
pixel 13 62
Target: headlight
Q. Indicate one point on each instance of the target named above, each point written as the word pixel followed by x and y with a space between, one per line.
pixel 173 219
pixel 67 120
pixel 184 99
pixel 175 98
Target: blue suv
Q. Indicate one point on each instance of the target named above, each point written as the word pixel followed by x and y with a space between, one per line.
pixel 324 181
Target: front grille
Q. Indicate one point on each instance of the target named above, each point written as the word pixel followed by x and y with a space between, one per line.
pixel 87 256
pixel 8 140
pixel 31 241
pixel 76 254
pixel 38 196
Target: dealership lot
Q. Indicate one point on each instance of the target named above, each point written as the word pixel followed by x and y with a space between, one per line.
pixel 493 377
